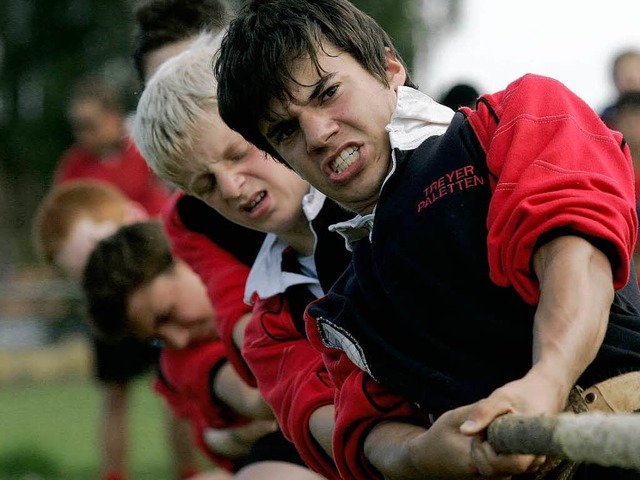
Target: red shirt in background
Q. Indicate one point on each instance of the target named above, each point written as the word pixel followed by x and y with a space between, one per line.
pixel 125 169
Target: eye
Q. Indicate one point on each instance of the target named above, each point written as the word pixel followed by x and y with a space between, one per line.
pixel 285 131
pixel 205 185
pixel 329 92
pixel 162 318
pixel 241 153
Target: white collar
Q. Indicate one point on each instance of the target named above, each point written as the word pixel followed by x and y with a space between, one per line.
pixel 266 277
pixel 416 118
pixel 312 203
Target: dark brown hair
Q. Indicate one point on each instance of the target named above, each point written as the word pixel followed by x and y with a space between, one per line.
pixel 161 22
pixel 118 266
pixel 268 36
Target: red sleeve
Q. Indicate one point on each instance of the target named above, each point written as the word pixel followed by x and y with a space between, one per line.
pixel 291 377
pixel 556 167
pixel 126 169
pixel 175 402
pixel 223 274
pixel 361 403
pixel 189 372
pixel 182 408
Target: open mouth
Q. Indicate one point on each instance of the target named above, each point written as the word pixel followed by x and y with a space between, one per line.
pixel 345 159
pixel 254 202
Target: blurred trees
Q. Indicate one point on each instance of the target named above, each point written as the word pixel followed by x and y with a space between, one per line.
pixel 402 19
pixel 45 46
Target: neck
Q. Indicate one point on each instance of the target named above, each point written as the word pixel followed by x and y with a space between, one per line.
pixel 301 239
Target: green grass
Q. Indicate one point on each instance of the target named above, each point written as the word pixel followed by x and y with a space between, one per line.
pixel 48 431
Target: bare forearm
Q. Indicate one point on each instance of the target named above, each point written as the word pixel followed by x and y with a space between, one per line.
pixel 575 298
pixel 232 390
pixel 238 330
pixel 387 449
pixel 321 426
pixel 236 442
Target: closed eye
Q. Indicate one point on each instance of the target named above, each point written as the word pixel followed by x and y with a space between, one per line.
pixel 240 154
pixel 165 316
pixel 204 185
pixel 162 319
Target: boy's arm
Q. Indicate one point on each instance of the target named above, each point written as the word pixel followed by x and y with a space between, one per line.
pixel 182 407
pixel 322 425
pixel 406 451
pixel 192 373
pixel 233 391
pixel 372 427
pixel 372 424
pixel 293 379
pixel 236 442
pixel 555 169
pixel 576 291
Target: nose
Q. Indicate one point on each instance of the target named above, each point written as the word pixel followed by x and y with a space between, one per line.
pixel 175 337
pixel 230 184
pixel 318 128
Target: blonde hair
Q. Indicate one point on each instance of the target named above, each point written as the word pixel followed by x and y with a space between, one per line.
pixel 177 101
pixel 68 203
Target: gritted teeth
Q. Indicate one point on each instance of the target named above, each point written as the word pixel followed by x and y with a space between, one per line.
pixel 255 201
pixel 346 158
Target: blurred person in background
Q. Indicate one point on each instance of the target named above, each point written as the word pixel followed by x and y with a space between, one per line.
pixel 71 218
pixel 166 27
pixel 460 95
pixel 627 121
pixel 103 149
pixel 625 73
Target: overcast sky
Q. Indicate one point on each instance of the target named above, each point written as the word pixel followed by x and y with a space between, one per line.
pixel 498 40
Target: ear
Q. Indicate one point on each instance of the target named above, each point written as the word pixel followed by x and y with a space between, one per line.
pixel 134 212
pixel 396 73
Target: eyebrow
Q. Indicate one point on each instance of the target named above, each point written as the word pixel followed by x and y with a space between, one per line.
pixel 276 124
pixel 320 86
pixel 232 149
